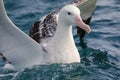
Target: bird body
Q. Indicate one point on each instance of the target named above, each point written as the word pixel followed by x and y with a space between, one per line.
pixel 21 51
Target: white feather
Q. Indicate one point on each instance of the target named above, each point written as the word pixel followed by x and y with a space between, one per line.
pixel 16 46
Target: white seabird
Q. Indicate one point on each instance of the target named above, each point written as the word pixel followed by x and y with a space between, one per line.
pixel 19 50
pixel 45 27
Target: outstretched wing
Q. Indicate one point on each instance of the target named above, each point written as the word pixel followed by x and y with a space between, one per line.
pixel 15 45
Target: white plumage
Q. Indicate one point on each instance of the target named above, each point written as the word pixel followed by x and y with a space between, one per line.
pixel 22 51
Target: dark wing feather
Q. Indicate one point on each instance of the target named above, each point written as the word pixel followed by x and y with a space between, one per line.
pixel 45 27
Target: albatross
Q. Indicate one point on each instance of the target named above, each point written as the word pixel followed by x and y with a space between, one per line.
pixel 45 27
pixel 19 51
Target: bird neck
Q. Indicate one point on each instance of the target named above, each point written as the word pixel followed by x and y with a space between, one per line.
pixel 63 36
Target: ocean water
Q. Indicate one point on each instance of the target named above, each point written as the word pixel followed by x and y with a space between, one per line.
pixel 100 50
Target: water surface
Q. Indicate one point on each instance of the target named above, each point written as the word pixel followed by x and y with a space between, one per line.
pixel 100 50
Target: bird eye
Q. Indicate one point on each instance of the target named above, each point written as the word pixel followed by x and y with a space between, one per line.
pixel 69 13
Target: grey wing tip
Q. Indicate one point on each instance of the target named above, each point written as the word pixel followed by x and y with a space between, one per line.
pixel 78 2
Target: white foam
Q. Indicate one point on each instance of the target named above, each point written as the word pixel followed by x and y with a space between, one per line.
pixel 9 67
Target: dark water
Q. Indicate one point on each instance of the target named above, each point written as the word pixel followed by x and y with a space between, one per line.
pixel 100 50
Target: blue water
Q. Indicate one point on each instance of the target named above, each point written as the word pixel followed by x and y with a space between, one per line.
pixel 100 50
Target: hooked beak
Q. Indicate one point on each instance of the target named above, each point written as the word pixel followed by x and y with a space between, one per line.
pixel 81 24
